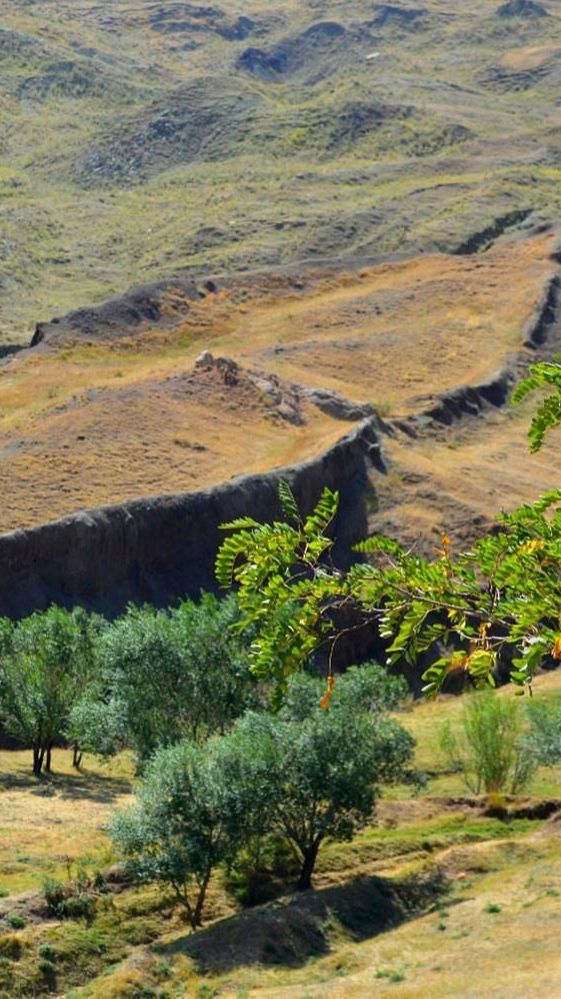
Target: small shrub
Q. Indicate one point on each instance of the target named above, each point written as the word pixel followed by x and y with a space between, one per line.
pixel 48 970
pixel 53 892
pixel 48 952
pixel 491 747
pixel 391 976
pixel 162 970
pixel 10 947
pixel 492 907
pixel 70 901
pixel 80 906
pixel 16 921
pixel 4 893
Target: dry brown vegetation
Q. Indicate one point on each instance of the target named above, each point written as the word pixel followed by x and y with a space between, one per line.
pixel 94 423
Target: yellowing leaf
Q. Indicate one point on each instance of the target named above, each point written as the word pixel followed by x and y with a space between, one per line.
pixel 532 546
pixel 324 703
pixel 556 649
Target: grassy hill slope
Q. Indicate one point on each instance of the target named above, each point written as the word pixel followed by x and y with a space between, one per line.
pixel 88 418
pixel 139 140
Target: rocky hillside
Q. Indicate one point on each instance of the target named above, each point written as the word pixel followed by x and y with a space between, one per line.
pixel 139 141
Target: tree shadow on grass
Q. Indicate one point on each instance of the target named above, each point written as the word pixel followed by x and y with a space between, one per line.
pixel 290 931
pixel 82 786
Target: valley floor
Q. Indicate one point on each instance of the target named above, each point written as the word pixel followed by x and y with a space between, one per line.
pixel 438 897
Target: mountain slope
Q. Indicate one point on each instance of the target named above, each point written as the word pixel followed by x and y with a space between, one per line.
pixel 138 141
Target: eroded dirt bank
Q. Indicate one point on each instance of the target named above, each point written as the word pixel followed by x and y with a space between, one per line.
pixel 90 417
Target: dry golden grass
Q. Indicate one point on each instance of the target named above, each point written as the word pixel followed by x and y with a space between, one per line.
pixel 49 823
pixel 459 482
pixel 498 938
pixel 400 330
pixel 93 424
pixel 529 57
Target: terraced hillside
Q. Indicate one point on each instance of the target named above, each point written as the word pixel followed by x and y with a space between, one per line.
pixel 102 411
pixel 140 140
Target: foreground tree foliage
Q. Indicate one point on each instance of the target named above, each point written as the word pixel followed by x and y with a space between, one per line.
pixel 306 775
pixel 499 600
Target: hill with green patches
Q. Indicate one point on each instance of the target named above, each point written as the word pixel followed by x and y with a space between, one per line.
pixel 139 141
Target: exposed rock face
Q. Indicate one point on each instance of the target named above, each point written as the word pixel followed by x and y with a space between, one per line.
pixel 282 400
pixel 335 405
pixel 161 549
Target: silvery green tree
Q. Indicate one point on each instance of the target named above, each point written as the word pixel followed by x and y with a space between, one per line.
pixel 197 805
pixel 328 762
pixel 47 661
pixel 166 675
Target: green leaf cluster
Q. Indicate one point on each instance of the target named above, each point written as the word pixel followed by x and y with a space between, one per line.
pixel 499 601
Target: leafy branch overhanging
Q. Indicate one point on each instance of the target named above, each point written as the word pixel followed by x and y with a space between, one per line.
pixel 505 591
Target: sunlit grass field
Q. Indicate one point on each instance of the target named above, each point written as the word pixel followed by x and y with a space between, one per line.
pixel 499 903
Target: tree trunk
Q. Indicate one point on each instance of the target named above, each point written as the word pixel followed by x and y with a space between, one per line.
pixel 307 869
pixel 76 757
pixel 38 755
pixel 197 918
pixel 48 760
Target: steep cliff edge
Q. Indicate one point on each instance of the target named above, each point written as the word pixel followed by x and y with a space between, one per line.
pixel 161 549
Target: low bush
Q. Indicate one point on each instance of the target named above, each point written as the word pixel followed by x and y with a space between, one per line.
pixel 75 899
pixel 16 921
pixel 491 745
pixel 10 946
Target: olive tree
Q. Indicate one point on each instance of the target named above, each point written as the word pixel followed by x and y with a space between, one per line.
pixel 197 806
pixel 47 660
pixel 327 763
pixel 307 774
pixel 167 675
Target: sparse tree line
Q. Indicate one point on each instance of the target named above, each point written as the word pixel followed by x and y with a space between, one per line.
pixel 224 779
pixel 145 680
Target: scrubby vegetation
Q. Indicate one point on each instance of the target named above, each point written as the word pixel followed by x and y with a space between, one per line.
pixel 492 748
